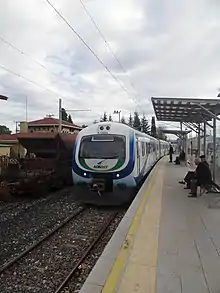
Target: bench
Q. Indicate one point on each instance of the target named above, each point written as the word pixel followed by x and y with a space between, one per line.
pixel 212 189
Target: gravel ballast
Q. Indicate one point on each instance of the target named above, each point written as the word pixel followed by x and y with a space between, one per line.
pixel 44 268
pixel 75 283
pixel 24 225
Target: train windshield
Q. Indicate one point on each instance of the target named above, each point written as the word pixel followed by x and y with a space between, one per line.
pixel 102 147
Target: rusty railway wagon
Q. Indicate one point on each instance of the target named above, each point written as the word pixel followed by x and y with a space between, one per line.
pixel 46 166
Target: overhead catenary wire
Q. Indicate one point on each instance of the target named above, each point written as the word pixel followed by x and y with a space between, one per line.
pixel 32 82
pixel 26 55
pixel 31 58
pixel 27 79
pixel 106 42
pixel 90 49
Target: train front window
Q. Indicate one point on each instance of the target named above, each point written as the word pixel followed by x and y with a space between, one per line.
pixel 102 146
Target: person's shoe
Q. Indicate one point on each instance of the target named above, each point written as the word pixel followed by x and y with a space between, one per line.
pixel 181 182
pixel 186 187
pixel 192 195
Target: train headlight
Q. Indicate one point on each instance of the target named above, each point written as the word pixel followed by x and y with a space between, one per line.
pixel 117 175
pixel 84 174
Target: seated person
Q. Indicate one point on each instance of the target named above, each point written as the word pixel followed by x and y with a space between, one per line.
pixel 187 179
pixel 182 156
pixel 203 177
pixel 177 161
pixel 203 160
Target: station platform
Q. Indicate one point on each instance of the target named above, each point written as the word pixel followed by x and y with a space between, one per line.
pixel 166 243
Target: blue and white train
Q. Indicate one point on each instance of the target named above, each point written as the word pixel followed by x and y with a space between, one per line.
pixel 110 161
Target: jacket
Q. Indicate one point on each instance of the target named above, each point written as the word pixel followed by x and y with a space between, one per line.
pixel 203 174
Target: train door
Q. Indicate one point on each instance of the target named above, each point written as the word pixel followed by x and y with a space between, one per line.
pixel 138 156
pixel 160 148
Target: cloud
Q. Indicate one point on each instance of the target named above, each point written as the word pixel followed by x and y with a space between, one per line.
pixel 166 48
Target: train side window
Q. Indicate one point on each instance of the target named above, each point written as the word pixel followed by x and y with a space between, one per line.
pixel 137 147
pixel 143 149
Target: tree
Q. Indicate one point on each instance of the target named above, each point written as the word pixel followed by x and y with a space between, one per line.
pixel 145 127
pixel 4 130
pixel 104 118
pixel 70 119
pixel 130 121
pixel 123 120
pixel 64 115
pixel 153 127
pixel 110 118
pixel 137 122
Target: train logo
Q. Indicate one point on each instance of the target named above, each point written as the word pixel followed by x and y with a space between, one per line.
pixel 99 166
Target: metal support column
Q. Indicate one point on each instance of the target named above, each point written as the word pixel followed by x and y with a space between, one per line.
pixel 204 141
pixel 214 148
pixel 186 147
pixel 181 140
pixel 199 144
pixel 60 116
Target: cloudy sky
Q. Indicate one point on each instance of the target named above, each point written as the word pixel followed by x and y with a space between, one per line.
pixel 166 48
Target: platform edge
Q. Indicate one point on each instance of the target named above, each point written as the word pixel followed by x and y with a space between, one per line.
pixel 111 262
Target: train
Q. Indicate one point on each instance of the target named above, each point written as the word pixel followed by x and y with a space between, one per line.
pixel 110 162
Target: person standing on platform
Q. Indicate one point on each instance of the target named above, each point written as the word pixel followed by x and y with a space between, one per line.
pixel 171 153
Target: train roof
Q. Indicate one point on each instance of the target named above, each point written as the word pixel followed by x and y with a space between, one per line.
pixel 115 125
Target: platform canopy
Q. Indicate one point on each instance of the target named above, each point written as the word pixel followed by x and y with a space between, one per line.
pixel 185 109
pixel 194 113
pixel 176 132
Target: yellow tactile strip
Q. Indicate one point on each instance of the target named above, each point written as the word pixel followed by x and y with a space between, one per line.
pixel 135 267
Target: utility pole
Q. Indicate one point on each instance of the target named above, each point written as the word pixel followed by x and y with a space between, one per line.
pixel 60 116
pixel 26 108
pixel 16 126
pixel 119 114
pixel 68 110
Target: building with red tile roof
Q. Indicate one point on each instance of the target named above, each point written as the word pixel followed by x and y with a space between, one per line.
pixel 49 124
pixel 42 129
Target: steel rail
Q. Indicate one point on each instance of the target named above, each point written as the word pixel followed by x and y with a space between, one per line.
pixel 30 248
pixel 86 253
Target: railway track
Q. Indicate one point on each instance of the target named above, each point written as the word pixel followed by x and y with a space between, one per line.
pixel 86 253
pixel 25 224
pixel 49 264
pixel 30 248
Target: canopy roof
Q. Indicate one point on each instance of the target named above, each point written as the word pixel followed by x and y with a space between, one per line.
pixel 185 109
pixel 176 132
